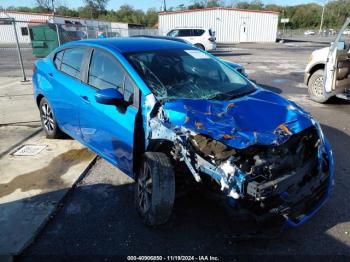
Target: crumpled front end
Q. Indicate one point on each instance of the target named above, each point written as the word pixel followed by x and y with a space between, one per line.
pixel 282 167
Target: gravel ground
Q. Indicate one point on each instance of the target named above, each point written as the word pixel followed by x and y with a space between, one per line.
pixel 98 218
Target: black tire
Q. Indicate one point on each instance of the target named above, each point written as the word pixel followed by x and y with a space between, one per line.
pixel 200 46
pixel 48 120
pixel 316 87
pixel 155 189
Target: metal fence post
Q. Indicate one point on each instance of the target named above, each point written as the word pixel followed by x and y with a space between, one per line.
pixel 58 35
pixel 19 51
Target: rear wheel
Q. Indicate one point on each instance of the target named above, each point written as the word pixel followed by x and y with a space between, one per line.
pixel 155 189
pixel 48 120
pixel 316 87
pixel 200 46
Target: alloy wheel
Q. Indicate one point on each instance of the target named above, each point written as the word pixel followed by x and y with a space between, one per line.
pixel 144 189
pixel 317 86
pixel 47 117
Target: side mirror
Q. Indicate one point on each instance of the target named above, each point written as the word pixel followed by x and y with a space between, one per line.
pixel 340 45
pixel 109 96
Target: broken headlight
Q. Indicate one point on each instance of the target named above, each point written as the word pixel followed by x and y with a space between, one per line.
pixel 210 149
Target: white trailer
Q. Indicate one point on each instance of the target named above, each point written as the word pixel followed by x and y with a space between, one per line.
pixel 231 25
pixel 91 27
pixel 6 30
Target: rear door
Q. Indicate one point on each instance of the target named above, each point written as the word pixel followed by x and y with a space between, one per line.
pixel 109 129
pixel 66 80
pixel 187 34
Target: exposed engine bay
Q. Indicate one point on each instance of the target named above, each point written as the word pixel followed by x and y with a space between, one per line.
pixel 287 178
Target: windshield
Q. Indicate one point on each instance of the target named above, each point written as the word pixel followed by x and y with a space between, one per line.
pixel 188 74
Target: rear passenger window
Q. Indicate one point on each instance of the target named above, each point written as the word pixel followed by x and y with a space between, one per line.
pixel 58 59
pixel 198 32
pixel 72 60
pixel 184 32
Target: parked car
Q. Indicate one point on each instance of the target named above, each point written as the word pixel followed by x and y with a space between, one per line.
pixel 164 112
pixel 239 68
pixel 309 32
pixel 203 38
pixel 327 73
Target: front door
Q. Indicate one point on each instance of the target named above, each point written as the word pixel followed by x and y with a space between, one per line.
pixel 337 53
pixel 109 129
pixel 243 33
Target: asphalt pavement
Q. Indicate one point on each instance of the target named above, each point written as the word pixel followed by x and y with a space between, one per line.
pixel 98 218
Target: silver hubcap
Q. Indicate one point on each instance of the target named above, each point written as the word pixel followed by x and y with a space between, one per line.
pixel 317 86
pixel 144 189
pixel 47 117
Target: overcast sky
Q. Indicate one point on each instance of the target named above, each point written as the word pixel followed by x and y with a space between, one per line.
pixel 140 4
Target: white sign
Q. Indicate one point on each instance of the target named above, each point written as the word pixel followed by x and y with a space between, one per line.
pixel 284 20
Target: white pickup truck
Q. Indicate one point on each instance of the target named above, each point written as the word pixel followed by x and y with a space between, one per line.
pixel 327 73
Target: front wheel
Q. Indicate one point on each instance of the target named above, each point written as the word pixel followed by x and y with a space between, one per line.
pixel 155 189
pixel 316 87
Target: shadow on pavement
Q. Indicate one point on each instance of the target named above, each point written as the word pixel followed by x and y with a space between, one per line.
pixel 338 101
pixel 100 219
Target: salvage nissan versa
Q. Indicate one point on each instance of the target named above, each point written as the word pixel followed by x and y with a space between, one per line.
pixel 166 113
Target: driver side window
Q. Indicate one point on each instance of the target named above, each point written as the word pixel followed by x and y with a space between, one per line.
pixel 105 72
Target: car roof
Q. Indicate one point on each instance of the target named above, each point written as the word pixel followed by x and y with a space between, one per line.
pixel 163 37
pixel 132 44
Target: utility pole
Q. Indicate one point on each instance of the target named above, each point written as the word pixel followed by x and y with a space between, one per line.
pixel 164 5
pixel 53 7
pixel 322 16
pixel 284 25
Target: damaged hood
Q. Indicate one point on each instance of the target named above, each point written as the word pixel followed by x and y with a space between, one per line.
pixel 262 118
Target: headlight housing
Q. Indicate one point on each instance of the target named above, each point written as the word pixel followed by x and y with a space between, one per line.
pixel 319 131
pixel 210 148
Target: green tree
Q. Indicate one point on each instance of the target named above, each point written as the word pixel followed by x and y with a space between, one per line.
pixel 65 11
pixel 94 8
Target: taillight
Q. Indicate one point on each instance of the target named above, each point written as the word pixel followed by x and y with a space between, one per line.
pixel 34 68
pixel 212 39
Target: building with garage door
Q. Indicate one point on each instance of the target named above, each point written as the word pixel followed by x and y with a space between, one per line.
pixel 230 25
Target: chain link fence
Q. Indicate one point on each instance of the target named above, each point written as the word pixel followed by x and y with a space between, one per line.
pixel 22 42
pixel 312 35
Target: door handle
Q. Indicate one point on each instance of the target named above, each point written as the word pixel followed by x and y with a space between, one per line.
pixel 85 99
pixel 50 74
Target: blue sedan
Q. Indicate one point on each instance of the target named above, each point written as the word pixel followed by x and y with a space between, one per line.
pixel 164 112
